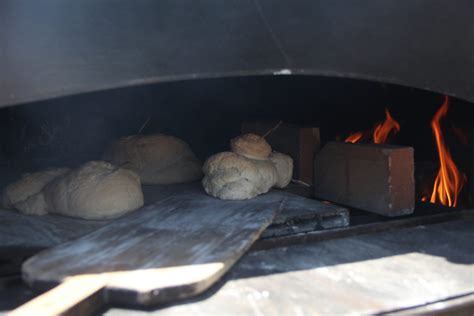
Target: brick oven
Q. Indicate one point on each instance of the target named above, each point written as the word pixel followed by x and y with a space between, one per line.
pixel 372 100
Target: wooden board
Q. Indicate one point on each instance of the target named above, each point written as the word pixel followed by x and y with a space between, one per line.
pixel 360 225
pixel 303 215
pixel 27 235
pixel 173 249
pixel 361 275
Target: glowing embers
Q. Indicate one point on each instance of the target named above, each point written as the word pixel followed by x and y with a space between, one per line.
pixel 379 133
pixel 449 181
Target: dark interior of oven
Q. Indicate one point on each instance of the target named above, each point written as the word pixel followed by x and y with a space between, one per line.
pixel 207 113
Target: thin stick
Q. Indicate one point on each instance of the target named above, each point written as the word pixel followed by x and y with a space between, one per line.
pixel 272 129
pixel 300 182
pixel 143 126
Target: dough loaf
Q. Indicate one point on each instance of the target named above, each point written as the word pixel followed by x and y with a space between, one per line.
pixel 28 185
pixel 96 190
pixel 284 167
pixel 157 159
pixel 230 176
pixel 251 146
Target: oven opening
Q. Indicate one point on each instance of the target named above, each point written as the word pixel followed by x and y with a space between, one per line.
pixel 365 157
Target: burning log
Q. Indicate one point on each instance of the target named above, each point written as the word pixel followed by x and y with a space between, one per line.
pixel 376 178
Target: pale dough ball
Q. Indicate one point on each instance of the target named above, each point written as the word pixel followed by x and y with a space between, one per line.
pixel 229 176
pixel 157 159
pixel 284 167
pixel 96 190
pixel 29 184
pixel 251 146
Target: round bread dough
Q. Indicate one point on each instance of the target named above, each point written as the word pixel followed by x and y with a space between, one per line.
pixel 284 167
pixel 157 159
pixel 96 190
pixel 29 185
pixel 229 176
pixel 251 146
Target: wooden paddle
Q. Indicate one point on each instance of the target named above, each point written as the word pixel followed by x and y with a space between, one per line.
pixel 171 250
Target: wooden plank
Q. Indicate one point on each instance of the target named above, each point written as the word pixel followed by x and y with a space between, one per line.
pixel 302 215
pixel 27 235
pixel 173 249
pixel 268 242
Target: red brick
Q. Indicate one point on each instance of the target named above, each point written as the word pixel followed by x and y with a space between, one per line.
pixel 300 143
pixel 372 177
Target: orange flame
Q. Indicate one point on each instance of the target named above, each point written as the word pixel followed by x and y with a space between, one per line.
pixel 381 131
pixel 354 138
pixel 449 181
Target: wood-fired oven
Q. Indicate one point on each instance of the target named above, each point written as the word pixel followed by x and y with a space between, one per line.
pixel 372 100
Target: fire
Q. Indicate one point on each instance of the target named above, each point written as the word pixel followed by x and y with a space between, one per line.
pixel 381 131
pixel 449 181
pixel 354 138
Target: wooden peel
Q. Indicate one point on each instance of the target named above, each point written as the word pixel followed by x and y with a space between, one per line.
pixel 78 294
pixel 68 298
pixel 174 249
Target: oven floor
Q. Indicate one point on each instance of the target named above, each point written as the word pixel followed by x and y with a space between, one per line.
pixel 366 274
